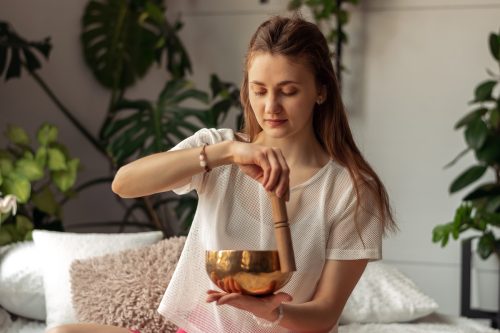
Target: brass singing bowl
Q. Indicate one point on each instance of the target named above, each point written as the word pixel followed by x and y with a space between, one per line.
pixel 248 272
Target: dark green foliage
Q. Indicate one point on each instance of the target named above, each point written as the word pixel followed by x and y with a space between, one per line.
pixel 480 209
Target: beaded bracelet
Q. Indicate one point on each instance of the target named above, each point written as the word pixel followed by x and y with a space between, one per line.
pixel 270 324
pixel 203 159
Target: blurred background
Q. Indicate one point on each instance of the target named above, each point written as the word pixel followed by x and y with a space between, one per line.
pixel 411 70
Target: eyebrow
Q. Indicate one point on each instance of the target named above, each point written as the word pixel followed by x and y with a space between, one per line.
pixel 282 83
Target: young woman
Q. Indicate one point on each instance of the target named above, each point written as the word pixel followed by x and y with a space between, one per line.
pixel 296 142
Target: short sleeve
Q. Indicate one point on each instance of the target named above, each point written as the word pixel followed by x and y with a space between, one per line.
pixel 361 239
pixel 198 139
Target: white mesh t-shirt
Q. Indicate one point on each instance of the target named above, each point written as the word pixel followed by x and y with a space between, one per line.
pixel 234 212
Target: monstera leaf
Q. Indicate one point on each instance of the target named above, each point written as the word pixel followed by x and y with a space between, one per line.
pixel 122 39
pixel 116 45
pixel 16 52
pixel 150 127
pixel 177 59
pixel 142 127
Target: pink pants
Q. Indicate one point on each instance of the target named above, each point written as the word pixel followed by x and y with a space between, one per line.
pixel 180 330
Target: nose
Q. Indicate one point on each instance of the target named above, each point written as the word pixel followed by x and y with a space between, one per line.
pixel 273 105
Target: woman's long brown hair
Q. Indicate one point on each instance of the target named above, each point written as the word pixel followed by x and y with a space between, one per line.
pixel 296 38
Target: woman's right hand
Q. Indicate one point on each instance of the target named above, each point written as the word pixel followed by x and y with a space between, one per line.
pixel 264 164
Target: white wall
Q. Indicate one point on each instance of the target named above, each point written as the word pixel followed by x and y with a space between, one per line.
pixel 422 61
pixel 413 67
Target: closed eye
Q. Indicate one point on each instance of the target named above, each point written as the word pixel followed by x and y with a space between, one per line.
pixel 289 93
pixel 260 92
pixel 283 92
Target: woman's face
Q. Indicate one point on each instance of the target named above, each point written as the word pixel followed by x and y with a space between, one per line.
pixel 282 93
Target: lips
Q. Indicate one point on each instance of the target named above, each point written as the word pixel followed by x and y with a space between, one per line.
pixel 275 122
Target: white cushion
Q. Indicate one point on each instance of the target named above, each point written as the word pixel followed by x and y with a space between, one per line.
pixel 21 281
pixel 57 252
pixel 385 295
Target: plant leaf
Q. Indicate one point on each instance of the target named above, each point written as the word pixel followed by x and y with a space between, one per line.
pixel 489 151
pixel 29 168
pixel 57 159
pixel 47 134
pixel 480 223
pixel 494 42
pixel 486 245
pixel 41 156
pixel 6 166
pixel 17 185
pixel 29 236
pixel 17 135
pixel 463 214
pixel 31 61
pixel 483 91
pixel 171 88
pixel 3 58
pixel 462 153
pixel 44 46
pixel 495 118
pixel 471 116
pixel 484 190
pixel 5 236
pixel 476 133
pixel 23 225
pixel 441 233
pixel 491 218
pixel 130 147
pixel 178 62
pixel 493 204
pixel 118 46
pixel 467 177
pixel 46 202
pixel 15 45
pixel 116 125
pixel 65 179
pixel 14 69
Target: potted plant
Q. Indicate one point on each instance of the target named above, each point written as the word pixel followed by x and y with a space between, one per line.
pixel 480 208
pixel 118 59
pixel 34 183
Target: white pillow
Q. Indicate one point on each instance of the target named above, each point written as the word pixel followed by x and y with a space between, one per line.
pixel 57 252
pixel 21 281
pixel 385 295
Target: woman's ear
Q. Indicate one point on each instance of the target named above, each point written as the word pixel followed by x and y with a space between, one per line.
pixel 321 94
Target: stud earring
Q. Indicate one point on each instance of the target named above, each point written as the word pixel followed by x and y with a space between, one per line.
pixel 319 101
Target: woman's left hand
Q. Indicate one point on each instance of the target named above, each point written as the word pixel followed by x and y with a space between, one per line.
pixel 262 307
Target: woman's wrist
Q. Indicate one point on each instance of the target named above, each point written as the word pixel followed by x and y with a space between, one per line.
pixel 273 320
pixel 219 154
pixel 230 151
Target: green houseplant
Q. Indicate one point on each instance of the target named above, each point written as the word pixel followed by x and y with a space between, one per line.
pixel 121 41
pixel 480 208
pixel 135 128
pixel 40 179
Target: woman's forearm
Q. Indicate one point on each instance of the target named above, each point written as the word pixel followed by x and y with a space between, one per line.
pixel 311 317
pixel 163 171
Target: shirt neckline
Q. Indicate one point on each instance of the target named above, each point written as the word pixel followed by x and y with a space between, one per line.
pixel 313 177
